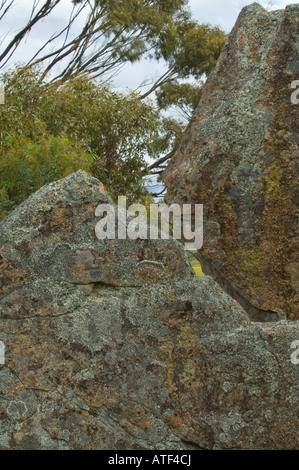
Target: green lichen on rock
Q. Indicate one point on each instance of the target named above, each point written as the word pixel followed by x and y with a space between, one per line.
pixel 251 263
pixel 273 181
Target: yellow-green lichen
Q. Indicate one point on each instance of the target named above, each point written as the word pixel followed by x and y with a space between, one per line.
pixel 251 262
pixel 273 181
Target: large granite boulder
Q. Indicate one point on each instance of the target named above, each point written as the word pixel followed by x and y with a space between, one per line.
pixel 117 345
pixel 239 157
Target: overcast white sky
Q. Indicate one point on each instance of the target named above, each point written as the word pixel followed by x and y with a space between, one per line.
pixel 222 13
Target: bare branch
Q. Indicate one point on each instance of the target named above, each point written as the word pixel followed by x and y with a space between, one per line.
pixel 44 11
pixel 158 194
pixel 168 76
pixel 4 8
pixel 160 161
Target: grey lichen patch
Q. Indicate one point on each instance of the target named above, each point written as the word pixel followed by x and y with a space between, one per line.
pixel 100 317
pixel 25 222
pixel 139 307
pixel 17 410
pixel 43 297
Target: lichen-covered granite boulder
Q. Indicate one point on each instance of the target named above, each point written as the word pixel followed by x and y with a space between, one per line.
pixel 239 157
pixel 101 354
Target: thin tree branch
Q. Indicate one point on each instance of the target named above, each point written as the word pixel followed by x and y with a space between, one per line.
pixel 165 78
pixel 6 9
pixel 161 160
pixel 44 11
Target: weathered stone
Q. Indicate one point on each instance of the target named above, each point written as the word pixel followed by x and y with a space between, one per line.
pixel 239 157
pixel 110 360
pixel 51 236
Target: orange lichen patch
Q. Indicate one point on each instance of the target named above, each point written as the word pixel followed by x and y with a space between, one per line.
pixel 149 273
pixel 288 378
pixel 11 273
pixel 102 188
pixel 191 167
pixel 4 326
pixel 241 41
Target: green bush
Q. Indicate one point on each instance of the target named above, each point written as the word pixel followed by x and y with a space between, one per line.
pixel 50 130
pixel 25 166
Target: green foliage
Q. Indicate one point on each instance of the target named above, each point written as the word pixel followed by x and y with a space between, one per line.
pixel 119 130
pixel 190 48
pixel 184 96
pixel 122 32
pixel 195 264
pixel 23 94
pixel 128 31
pixel 50 130
pixel 25 166
pixel 169 137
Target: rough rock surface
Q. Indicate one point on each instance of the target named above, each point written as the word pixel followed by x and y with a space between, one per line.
pixel 101 354
pixel 239 157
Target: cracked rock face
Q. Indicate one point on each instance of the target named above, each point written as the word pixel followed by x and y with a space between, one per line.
pixel 117 345
pixel 239 158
